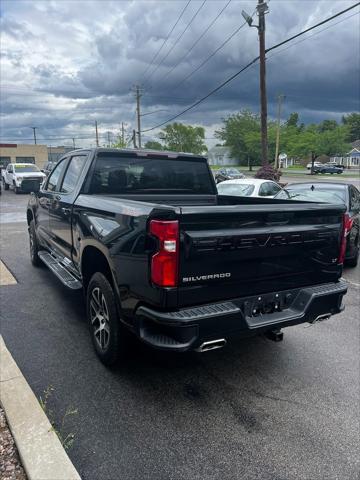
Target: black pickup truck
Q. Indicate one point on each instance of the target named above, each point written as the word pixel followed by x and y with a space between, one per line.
pixel 160 254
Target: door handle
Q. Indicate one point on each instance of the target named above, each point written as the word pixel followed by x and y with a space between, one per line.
pixel 66 211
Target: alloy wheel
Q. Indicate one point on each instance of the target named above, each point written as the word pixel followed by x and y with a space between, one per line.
pixel 31 239
pixel 99 316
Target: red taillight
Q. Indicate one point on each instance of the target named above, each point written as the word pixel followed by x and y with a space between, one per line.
pixel 346 227
pixel 164 263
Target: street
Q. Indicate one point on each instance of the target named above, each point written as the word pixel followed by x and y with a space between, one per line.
pixel 255 409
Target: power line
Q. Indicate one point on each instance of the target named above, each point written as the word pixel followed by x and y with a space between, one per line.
pixel 198 40
pixel 177 40
pixel 220 47
pixel 206 96
pixel 312 28
pixel 166 39
pixel 310 36
pixel 249 65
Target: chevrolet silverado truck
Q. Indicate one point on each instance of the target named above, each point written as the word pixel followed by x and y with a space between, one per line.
pixel 159 254
pixel 22 177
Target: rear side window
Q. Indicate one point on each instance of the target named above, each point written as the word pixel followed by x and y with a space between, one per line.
pixel 54 176
pixel 120 175
pixel 73 173
pixel 264 190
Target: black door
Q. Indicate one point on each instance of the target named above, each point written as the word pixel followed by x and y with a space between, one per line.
pixel 61 208
pixel 46 197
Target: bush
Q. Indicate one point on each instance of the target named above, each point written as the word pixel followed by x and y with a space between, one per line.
pixel 267 172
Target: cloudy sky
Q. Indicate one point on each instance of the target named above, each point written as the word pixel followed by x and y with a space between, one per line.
pixel 66 64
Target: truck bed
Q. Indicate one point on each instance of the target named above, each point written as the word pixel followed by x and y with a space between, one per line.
pixel 257 245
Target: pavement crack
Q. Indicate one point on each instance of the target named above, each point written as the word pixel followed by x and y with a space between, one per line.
pixel 278 399
pixel 8 379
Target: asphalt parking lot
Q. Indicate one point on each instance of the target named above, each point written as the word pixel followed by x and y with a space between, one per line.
pixel 255 409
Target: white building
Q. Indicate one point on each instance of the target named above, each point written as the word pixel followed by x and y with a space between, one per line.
pixel 221 156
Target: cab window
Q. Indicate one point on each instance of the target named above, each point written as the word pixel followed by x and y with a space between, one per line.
pixel 72 174
pixel 54 176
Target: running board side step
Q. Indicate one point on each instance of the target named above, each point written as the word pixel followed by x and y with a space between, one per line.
pixel 60 270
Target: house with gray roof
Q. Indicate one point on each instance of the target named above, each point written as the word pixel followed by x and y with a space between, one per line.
pixel 352 158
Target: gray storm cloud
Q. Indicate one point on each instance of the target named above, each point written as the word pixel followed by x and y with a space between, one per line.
pixel 66 63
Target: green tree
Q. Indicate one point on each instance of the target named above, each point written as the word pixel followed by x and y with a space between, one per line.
pixel 352 123
pixel 327 125
pixel 119 143
pixel 293 120
pixel 153 145
pixel 333 142
pixel 241 133
pixel 183 138
pixel 314 138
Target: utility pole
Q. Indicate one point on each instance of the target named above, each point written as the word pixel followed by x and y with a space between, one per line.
pixel 262 8
pixel 96 134
pixel 34 130
pixel 138 95
pixel 280 100
pixel 108 137
pixel 122 133
pixel 73 143
pixel 134 138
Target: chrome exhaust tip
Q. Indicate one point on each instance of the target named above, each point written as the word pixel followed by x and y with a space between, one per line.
pixel 324 316
pixel 211 345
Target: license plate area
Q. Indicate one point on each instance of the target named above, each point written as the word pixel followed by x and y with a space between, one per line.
pixel 269 303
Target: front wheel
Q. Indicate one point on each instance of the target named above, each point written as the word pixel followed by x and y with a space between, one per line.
pixel 108 335
pixel 6 185
pixel 34 246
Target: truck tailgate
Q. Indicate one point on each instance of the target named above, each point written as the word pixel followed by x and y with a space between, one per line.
pixel 241 250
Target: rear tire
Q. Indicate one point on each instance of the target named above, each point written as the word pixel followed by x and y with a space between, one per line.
pixel 16 190
pixel 109 337
pixel 34 246
pixel 353 262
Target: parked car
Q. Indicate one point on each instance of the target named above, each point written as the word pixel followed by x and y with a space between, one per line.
pixel 333 164
pixel 227 174
pixel 160 255
pixel 327 169
pixel 345 194
pixel 22 177
pixel 249 187
pixel 316 164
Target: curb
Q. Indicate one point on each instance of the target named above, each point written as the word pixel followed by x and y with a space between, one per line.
pixel 42 455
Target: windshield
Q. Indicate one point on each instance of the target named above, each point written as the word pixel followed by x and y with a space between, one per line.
pixel 233 171
pixel 241 190
pixel 114 174
pixel 26 168
pixel 318 194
